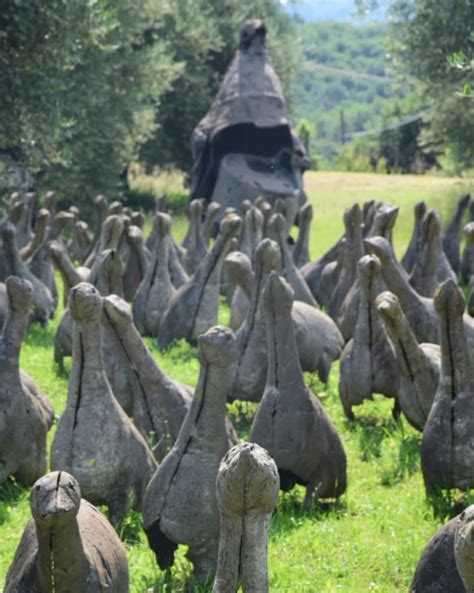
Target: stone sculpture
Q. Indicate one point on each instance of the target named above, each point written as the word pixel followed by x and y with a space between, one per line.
pixel 450 547
pixel 43 303
pixel 247 493
pixel 156 290
pixel 244 147
pixel 418 364
pixel 301 248
pixel 210 223
pixel 352 251
pixel 432 266
pixel 467 262
pixel 464 548
pixel 368 363
pixel 419 310
pixel 158 405
pixel 194 242
pixel 95 440
pixel 290 422
pixel 26 414
pixel 448 438
pixel 68 545
pixel 180 501
pixel 289 271
pixel 384 219
pixel 137 263
pixel 452 233
pixel 411 255
pixel 194 307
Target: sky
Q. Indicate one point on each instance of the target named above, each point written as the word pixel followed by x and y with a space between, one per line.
pixel 344 10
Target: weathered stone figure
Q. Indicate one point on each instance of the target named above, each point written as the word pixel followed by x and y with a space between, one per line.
pixel 95 440
pixel 467 263
pixel 301 249
pixel 194 307
pixel 156 290
pixel 137 262
pixel 452 234
pixel 464 548
pixel 194 242
pixel 158 404
pixel 244 147
pixel 419 310
pixel 446 562
pixel 68 545
pixel 352 251
pixel 278 232
pixel 368 363
pixel 43 303
pixel 247 493
pixel 384 219
pixel 418 364
pixel 290 422
pixel 411 255
pixel 26 414
pixel 180 501
pixel 432 266
pixel 447 447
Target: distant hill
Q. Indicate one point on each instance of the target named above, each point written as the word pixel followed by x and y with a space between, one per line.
pixel 345 68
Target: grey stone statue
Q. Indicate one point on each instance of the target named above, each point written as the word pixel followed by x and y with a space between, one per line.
pixel 68 545
pixel 290 422
pixel 419 310
pixel 247 493
pixel 156 290
pixel 95 440
pixel 180 501
pixel 194 307
pixel 418 364
pixel 447 445
pixel 26 414
pixel 368 363
pixel 244 146
pixel 411 254
pixel 437 570
pixel 452 233
pixel 432 266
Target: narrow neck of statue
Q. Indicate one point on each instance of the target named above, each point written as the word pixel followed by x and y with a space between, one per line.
pixel 61 561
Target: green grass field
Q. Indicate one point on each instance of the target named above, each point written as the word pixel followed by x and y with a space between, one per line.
pixel 371 539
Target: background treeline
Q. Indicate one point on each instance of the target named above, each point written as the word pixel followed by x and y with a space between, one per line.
pixel 89 87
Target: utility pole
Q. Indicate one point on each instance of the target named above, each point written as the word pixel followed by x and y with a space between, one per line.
pixel 343 127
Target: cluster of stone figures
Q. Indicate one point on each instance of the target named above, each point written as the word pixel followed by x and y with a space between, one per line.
pixel 130 437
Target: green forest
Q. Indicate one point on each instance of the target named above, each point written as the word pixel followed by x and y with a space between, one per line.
pixel 89 88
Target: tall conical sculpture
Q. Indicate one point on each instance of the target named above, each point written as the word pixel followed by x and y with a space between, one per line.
pixel 244 146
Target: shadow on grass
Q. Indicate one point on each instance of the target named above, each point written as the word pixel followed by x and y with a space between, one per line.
pixel 291 513
pixel 372 431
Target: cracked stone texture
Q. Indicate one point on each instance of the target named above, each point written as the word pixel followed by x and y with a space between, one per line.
pixel 368 362
pixel 432 266
pixel 418 364
pixel 290 423
pixel 180 501
pixel 247 493
pixel 95 440
pixel 194 307
pixel 452 234
pixel 88 555
pixel 447 446
pixel 26 415
pixel 156 290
